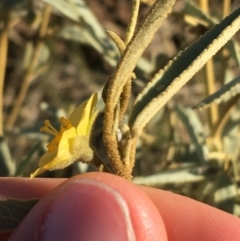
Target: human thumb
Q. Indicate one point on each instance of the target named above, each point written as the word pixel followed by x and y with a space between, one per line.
pixel 93 206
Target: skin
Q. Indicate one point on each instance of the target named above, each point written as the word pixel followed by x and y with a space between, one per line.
pixel 72 206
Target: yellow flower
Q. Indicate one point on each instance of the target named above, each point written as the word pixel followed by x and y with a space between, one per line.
pixel 71 142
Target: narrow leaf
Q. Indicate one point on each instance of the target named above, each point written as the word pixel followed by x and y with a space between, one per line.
pixel 90 32
pixel 191 9
pixel 85 36
pixel 195 130
pixel 180 70
pixel 8 5
pixel 224 94
pixel 225 193
pixel 26 160
pixel 117 40
pixel 133 21
pixel 13 211
pixel 234 50
pixel 7 166
pixel 176 176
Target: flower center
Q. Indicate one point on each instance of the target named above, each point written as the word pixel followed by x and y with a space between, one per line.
pixel 48 128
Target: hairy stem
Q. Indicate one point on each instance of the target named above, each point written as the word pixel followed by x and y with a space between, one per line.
pixel 123 72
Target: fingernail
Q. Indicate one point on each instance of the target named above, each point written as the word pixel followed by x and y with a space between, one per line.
pixel 88 210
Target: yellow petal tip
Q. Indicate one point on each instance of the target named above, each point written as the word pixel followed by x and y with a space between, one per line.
pixel 37 172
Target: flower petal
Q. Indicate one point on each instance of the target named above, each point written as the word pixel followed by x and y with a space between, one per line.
pixel 80 117
pixel 61 158
pixel 46 158
pixel 63 145
pixel 74 142
pixel 60 161
pixel 37 172
pixel 91 121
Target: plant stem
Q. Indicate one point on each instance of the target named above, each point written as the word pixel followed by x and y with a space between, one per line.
pixel 133 21
pixel 123 73
pixel 3 63
pixel 217 133
pixel 226 7
pixel 210 79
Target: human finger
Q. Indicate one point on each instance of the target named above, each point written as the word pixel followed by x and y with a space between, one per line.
pixel 186 219
pixel 93 206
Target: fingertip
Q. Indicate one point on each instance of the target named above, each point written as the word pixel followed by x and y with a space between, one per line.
pixel 93 206
pixel 186 219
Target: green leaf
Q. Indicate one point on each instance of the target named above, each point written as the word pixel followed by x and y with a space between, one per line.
pixel 7 166
pixel 191 9
pixel 8 4
pixel 13 211
pixel 25 161
pixel 195 130
pixel 169 80
pixel 84 35
pixel 90 32
pixel 225 194
pixel 176 176
pixel 224 94
pixel 231 136
pixel 234 50
pixel 67 7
